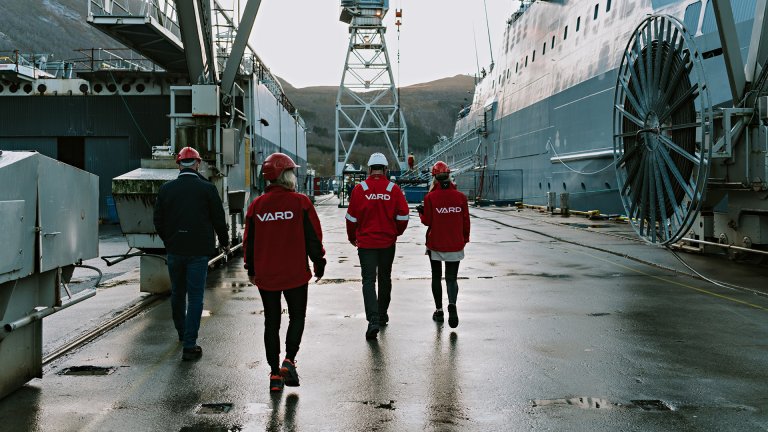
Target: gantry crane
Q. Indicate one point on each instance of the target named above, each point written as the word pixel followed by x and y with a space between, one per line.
pixel 368 106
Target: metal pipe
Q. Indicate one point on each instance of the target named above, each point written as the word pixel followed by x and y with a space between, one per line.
pixel 725 246
pixel 224 254
pixel 38 315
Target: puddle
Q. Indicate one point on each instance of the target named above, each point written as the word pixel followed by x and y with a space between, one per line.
pixel 593 403
pixel 543 275
pixel 379 405
pixel 336 281
pixel 87 370
pixel 583 402
pixel 583 225
pixel 208 428
pixel 214 408
pixel 651 405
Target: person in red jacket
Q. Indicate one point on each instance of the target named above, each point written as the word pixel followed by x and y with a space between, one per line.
pixel 446 213
pixel 281 230
pixel 376 216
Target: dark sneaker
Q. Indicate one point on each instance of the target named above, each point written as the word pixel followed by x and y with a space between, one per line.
pixel 373 330
pixel 438 316
pixel 383 319
pixel 275 383
pixel 192 353
pixel 453 316
pixel 289 374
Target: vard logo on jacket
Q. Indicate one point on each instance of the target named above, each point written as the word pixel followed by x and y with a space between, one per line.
pixel 384 197
pixel 275 216
pixel 443 210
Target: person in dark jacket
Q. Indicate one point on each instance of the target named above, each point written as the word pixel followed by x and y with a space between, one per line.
pixel 187 213
pixel 377 215
pixel 446 213
pixel 281 230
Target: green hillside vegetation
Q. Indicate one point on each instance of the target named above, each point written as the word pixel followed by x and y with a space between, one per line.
pixel 430 111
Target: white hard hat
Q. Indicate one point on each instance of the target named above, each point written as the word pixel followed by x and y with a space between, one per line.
pixel 377 159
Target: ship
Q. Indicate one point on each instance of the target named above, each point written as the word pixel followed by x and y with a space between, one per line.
pixel 542 118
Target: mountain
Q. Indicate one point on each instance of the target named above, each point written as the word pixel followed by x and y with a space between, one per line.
pixel 58 28
pixel 55 27
pixel 429 109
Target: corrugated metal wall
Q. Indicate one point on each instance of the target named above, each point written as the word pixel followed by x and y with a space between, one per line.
pixel 117 131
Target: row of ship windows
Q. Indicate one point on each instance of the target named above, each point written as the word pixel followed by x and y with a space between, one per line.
pixel 565 187
pixel 523 64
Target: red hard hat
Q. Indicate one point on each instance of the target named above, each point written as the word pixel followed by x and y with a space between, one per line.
pixel 440 167
pixel 187 153
pixel 275 164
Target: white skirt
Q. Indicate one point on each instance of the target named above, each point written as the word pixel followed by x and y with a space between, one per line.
pixel 445 256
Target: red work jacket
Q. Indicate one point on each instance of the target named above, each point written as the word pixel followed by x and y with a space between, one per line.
pixel 377 213
pixel 446 213
pixel 281 230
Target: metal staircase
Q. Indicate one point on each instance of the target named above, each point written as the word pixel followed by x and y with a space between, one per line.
pixel 421 171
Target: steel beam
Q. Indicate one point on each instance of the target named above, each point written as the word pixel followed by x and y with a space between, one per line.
pixel 238 47
pixel 758 46
pixel 730 44
pixel 191 29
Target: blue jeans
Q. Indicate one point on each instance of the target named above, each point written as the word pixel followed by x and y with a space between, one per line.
pixel 376 265
pixel 188 274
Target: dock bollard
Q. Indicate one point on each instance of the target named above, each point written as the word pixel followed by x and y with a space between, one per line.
pixel 564 205
pixel 551 202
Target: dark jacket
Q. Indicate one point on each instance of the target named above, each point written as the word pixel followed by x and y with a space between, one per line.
pixel 187 212
pixel 281 230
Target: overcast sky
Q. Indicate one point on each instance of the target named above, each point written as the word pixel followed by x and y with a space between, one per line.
pixel 304 42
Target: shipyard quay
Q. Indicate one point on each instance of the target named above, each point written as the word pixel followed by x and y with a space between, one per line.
pixel 364 215
pixel 565 324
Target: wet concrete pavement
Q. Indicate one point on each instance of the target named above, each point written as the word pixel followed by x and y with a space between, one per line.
pixel 560 329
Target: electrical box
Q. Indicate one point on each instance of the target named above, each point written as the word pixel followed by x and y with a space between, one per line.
pixel 205 100
pixel 229 144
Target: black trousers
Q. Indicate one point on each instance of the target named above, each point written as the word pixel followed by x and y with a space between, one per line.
pixel 296 298
pixel 376 264
pixel 451 285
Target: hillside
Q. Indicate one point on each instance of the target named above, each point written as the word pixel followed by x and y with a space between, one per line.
pixel 430 111
pixel 58 28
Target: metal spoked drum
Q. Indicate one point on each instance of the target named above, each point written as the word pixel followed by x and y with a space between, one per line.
pixel 661 119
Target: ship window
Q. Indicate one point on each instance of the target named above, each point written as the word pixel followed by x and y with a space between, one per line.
pixel 565 33
pixel 553 42
pixel 564 188
pixel 533 59
pixel 544 49
pixel 526 61
pixel 539 185
pixel 597 9
pixel 578 23
pixel 516 66
pixel 549 186
pixel 608 6
pixel 583 186
pixel 607 185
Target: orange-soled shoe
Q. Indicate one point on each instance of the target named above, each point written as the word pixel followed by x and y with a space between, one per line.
pixel 289 374
pixel 275 383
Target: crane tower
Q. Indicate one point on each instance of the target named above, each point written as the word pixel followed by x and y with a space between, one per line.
pixel 367 105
